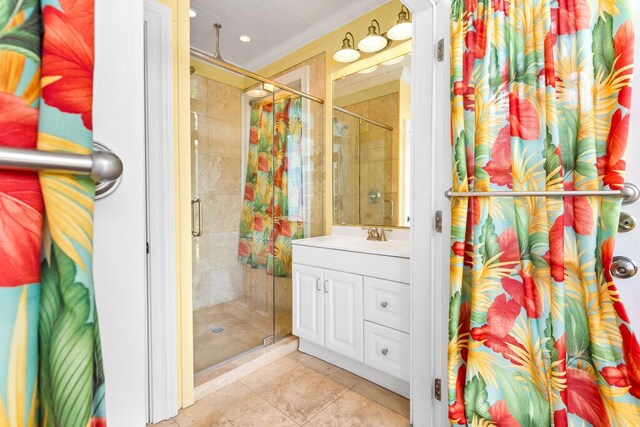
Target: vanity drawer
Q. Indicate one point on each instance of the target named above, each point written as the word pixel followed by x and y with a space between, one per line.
pixel 387 303
pixel 387 350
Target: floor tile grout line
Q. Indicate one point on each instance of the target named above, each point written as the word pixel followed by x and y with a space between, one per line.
pixel 379 403
pixel 274 407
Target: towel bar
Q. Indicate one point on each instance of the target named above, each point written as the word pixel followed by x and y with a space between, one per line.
pixel 630 193
pixel 100 165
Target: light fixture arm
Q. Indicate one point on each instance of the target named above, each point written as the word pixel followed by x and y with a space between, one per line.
pixel 346 44
pixel 372 28
pixel 406 12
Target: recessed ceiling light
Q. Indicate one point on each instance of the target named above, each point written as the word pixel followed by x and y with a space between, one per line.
pixel 368 70
pixel 394 60
pixel 192 13
pixel 245 38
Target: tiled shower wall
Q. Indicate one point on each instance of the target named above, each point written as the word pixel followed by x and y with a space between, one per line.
pixel 217 180
pixel 379 156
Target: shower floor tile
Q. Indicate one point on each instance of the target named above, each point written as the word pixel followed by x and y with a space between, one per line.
pixel 225 330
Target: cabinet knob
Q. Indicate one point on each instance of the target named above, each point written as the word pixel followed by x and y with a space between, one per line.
pixel 385 351
pixel 384 304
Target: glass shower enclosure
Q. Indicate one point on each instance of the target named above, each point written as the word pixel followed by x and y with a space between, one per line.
pixel 256 149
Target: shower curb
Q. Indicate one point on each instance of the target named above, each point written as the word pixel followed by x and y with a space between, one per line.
pixel 222 376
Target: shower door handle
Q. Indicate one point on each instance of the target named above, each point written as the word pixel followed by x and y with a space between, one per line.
pixel 194 232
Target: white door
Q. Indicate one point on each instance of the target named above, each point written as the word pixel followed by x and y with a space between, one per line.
pixel 308 304
pixel 628 244
pixel 119 232
pixel 343 313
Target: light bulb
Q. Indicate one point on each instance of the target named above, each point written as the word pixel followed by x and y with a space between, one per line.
pixel 401 31
pixel 372 43
pixel 346 55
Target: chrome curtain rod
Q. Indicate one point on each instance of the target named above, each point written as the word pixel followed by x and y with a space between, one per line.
pixel 203 56
pixel 373 122
pixel 100 165
pixel 630 193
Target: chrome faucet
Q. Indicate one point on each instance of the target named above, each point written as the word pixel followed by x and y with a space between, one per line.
pixel 376 234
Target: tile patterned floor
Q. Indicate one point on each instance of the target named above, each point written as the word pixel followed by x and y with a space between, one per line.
pixel 293 391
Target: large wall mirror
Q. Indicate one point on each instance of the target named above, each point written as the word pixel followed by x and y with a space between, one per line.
pixel 371 125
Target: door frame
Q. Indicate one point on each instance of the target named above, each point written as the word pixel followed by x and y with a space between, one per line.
pixel 429 248
pixel 162 353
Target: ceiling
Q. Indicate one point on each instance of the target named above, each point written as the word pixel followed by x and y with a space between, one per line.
pixel 276 27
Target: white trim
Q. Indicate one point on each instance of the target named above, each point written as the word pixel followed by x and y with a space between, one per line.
pixel 161 266
pixel 427 167
pixel 442 243
pixel 334 21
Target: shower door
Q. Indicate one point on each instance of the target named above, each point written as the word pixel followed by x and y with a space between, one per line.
pixel 258 185
pixel 232 295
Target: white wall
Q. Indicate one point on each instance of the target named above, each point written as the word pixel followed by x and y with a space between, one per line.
pixel 119 254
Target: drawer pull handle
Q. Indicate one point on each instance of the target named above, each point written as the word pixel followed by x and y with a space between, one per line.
pixel 384 304
pixel 385 351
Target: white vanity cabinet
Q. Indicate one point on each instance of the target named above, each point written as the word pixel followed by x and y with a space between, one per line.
pixel 327 309
pixel 351 306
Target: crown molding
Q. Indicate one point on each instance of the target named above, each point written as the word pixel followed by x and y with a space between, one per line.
pixel 334 21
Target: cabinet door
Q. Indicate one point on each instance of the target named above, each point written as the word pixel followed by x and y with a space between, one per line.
pixel 343 313
pixel 308 304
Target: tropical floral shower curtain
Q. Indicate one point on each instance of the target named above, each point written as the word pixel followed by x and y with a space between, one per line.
pixel 538 336
pixel 272 211
pixel 50 357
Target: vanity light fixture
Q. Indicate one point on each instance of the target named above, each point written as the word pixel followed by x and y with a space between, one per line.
pixel 192 13
pixel 245 39
pixel 368 70
pixel 394 60
pixel 373 42
pixel 347 53
pixel 403 28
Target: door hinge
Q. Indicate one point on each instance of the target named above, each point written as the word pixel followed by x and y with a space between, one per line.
pixel 147 247
pixel 437 389
pixel 438 222
pixel 440 50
